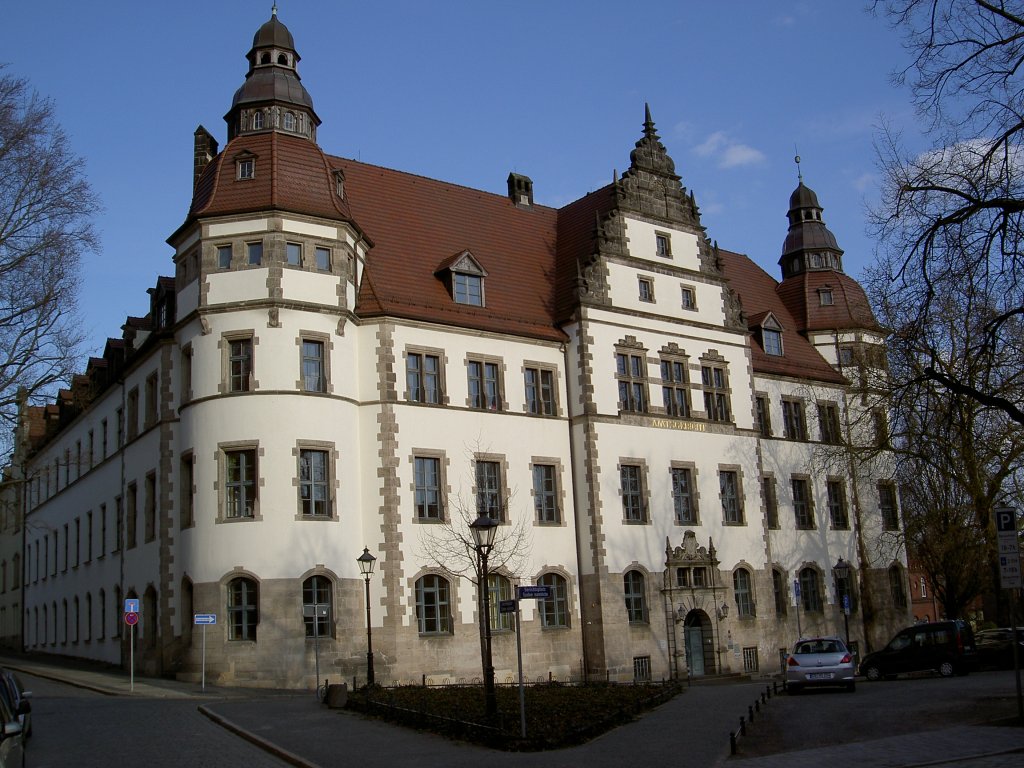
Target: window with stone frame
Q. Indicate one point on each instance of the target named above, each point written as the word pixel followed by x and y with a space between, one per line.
pixel 810 590
pixel 315 495
pixel 468 289
pixel 254 253
pixel 803 505
pixel 897 586
pixel 646 289
pixel 684 501
pixel 499 588
pixel 771 501
pixel 423 377
pixel 152 400
pixel 731 496
pixel 428 498
pixel 186 491
pixel 793 420
pixel 243 609
pixel 132 520
pixel 539 386
pixel 223 257
pixel 433 606
pixel 762 410
pixel 743 593
pixel 663 245
pixel 715 382
pixel 887 506
pixel 635 591
pixel 675 390
pixel 322 258
pixel 631 487
pixel 239 362
pixel 490 498
pixel 837 509
pixel 780 591
pixel 688 297
pixel 149 507
pixel 631 375
pixel 314 369
pixel 828 421
pixel 484 384
pixel 318 606
pixel 881 428
pixel 545 493
pixel 241 483
pixel 554 610
pixel 133 414
pixel 293 254
pixel 185 379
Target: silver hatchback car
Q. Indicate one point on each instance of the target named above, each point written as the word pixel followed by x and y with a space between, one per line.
pixel 820 661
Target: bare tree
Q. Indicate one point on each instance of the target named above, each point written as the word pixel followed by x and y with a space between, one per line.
pixel 46 209
pixel 955 211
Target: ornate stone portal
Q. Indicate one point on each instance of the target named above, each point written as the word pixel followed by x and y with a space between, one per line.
pixel 695 607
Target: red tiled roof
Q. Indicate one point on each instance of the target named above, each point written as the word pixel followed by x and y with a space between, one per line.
pixel 850 308
pixel 758 294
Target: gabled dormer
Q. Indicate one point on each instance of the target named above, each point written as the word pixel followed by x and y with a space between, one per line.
pixel 768 331
pixel 464 277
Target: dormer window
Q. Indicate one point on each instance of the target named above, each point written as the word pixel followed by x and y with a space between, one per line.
pixel 469 289
pixel 464 277
pixel 246 168
pixel 257 120
pixel 772 341
pixel 339 183
pixel 289 121
pixel 825 297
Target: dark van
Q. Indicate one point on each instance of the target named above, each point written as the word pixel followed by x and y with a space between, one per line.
pixel 946 647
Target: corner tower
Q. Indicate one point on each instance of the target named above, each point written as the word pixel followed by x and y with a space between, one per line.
pixel 272 98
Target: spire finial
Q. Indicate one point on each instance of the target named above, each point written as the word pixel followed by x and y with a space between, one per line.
pixel 273 9
pixel 648 122
pixel 799 173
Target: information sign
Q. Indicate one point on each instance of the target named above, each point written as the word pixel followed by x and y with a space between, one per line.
pixel 506 606
pixel 131 605
pixel 536 591
pixel 205 618
pixel 1008 540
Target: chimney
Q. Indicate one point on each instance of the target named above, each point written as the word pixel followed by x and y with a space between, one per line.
pixel 205 150
pixel 520 190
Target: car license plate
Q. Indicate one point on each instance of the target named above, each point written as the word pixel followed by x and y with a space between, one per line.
pixel 819 676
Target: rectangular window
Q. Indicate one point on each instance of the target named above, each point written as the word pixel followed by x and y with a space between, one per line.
pixel 186 373
pixel 662 245
pixel 423 378
pixel 689 297
pixel 540 391
pixel 151 400
pixel 88 541
pixel 484 385
pixel 631 484
pixel 469 289
pixel 78 542
pixel 255 253
pixel 133 413
pixel 67 540
pixel 887 506
pixel 828 419
pixel 794 423
pixel 103 529
pixel 246 169
pixel 682 496
pixel 771 502
pixel 675 393
pixel 323 258
pixel 223 257
pixel 802 506
pixel 103 439
pixel 293 254
pixel 132 515
pixel 729 488
pixel 313 379
pixel 240 483
pixel 489 501
pixel 150 507
pixel 118 524
pixel 631 373
pixel 545 497
pixel 187 492
pixel 764 422
pixel 314 485
pixel 239 365
pixel 881 428
pixel 772 341
pixel 837 505
pixel 646 287
pixel 427 482
pixel 716 396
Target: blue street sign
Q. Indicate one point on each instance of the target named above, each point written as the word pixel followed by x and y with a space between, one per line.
pixel 535 591
pixel 131 605
pixel 506 606
pixel 846 604
pixel 205 618
pixel 796 587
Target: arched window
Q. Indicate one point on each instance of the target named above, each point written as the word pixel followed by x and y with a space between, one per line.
pixel 257 120
pixel 636 597
pixel 264 58
pixel 317 606
pixel 779 590
pixel 433 611
pixel 88 616
pixel 897 586
pixel 741 587
pixel 282 59
pixel 499 588
pixel 289 121
pixel 243 609
pixel 554 612
pixel 810 590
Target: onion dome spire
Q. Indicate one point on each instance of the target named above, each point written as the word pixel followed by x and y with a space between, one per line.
pixel 809 245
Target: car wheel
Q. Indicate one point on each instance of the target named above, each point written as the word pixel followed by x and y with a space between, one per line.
pixel 874 674
pixel 946 669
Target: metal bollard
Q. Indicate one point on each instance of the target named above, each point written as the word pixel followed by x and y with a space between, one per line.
pixel 743 726
pixel 750 712
pixel 732 743
pixel 757 706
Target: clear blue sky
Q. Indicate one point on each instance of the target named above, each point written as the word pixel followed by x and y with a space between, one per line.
pixel 468 91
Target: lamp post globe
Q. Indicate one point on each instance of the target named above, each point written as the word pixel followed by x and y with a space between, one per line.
pixel 366 562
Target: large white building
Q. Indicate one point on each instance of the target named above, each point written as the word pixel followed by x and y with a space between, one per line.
pixel 671 439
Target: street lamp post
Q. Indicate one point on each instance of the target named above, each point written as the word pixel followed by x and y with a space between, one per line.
pixel 484 529
pixel 366 562
pixel 842 576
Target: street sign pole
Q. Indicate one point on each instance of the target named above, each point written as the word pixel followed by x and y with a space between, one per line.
pixel 131 657
pixel 519 657
pixel 1008 539
pixel 204 619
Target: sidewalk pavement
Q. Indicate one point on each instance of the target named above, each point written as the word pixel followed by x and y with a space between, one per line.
pixel 691 731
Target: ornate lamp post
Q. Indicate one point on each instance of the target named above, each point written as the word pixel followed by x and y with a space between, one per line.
pixel 841 570
pixel 484 529
pixel 366 562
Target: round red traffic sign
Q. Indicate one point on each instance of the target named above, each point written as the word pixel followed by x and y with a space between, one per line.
pixel 131 618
